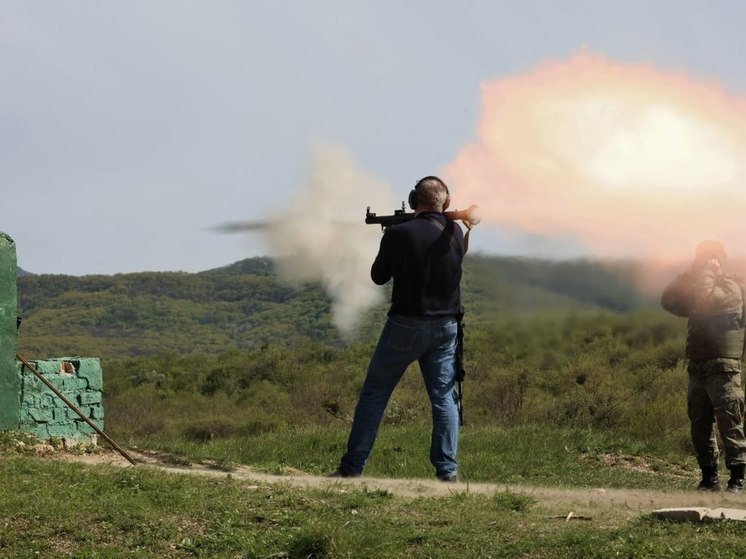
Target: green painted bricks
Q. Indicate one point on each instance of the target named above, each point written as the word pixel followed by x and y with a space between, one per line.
pixel 45 415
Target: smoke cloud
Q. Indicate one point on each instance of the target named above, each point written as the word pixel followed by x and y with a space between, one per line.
pixel 623 159
pixel 320 236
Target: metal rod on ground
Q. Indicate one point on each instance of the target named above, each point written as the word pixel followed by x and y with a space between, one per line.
pixel 75 409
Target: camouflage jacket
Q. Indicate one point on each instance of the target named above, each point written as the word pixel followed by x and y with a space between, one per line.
pixel 714 305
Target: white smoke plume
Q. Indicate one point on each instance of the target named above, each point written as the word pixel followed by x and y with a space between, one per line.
pixel 320 236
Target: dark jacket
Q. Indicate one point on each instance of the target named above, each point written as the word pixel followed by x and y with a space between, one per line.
pixel 424 261
pixel 713 304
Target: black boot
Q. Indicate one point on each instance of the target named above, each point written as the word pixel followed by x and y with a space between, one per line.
pixel 710 481
pixel 735 483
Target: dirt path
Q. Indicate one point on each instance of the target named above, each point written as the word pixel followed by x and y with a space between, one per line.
pixel 579 501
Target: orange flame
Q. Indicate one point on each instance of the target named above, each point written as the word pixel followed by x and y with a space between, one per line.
pixel 626 159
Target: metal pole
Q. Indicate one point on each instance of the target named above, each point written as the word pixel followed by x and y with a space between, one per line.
pixel 75 409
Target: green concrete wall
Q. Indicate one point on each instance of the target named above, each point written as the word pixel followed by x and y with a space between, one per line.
pixel 9 378
pixel 46 416
pixel 26 403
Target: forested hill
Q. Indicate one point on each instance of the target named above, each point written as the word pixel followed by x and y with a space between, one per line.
pixel 244 305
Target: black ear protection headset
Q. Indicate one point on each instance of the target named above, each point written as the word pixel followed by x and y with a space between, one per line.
pixel 413 194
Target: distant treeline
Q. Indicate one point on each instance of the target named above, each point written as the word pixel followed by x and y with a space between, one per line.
pixel 244 305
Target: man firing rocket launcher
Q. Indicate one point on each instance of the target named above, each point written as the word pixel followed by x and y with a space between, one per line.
pixel 469 217
pixel 422 256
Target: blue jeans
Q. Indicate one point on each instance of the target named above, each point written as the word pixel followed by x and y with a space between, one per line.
pixel 432 343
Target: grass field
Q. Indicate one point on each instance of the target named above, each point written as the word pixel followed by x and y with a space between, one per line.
pixel 53 508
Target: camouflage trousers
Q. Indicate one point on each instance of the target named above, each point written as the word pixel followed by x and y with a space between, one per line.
pixel 715 400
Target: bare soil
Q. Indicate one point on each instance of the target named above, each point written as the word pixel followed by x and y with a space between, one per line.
pixel 570 503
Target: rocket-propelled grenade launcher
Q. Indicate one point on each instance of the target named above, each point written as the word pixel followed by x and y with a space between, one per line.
pixel 471 214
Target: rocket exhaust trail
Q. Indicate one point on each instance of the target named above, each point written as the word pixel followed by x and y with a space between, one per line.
pixel 240 226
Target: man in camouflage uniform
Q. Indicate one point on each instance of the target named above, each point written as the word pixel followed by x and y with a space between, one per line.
pixel 713 301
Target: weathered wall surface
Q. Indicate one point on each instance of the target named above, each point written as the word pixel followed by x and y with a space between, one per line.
pixel 44 414
pixel 9 378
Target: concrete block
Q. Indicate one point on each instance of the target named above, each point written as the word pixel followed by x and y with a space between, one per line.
pixel 90 369
pixel 725 514
pixel 74 384
pixel 89 397
pixel 31 401
pixel 700 514
pixel 42 415
pixel 83 427
pixel 46 366
pixel 683 514
pixel 56 380
pixel 39 430
pixel 61 430
pixel 30 383
pixel 88 366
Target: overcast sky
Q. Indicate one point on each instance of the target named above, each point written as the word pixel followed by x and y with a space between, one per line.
pixel 128 128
